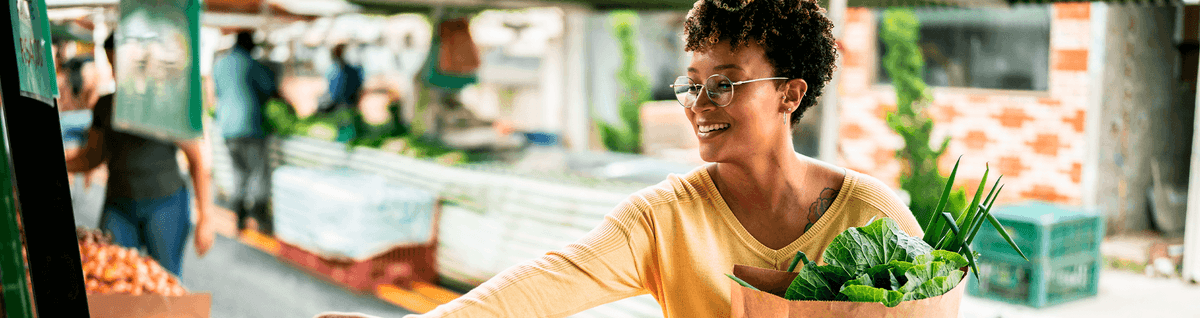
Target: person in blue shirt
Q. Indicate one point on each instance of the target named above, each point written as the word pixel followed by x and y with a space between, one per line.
pixel 242 87
pixel 345 81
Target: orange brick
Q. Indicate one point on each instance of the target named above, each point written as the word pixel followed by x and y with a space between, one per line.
pixel 1072 10
pixel 977 99
pixel 968 185
pixel 1049 101
pixel 852 131
pixel 1010 166
pixel 944 113
pixel 1076 172
pixel 1045 193
pixel 1012 117
pixel 976 140
pixel 1076 121
pixel 1070 60
pixel 1046 144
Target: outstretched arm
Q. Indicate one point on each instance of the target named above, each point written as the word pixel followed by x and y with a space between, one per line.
pixel 606 265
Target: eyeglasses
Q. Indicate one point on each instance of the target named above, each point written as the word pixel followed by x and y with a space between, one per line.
pixel 718 88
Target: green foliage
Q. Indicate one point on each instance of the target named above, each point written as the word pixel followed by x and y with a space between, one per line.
pixel 905 64
pixel 348 126
pixel 635 89
pixel 374 136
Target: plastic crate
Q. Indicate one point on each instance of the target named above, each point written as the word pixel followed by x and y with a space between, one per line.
pixel 1040 283
pixel 1063 247
pixel 1042 230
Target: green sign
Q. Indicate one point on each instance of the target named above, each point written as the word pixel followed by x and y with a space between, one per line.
pixel 31 37
pixel 158 69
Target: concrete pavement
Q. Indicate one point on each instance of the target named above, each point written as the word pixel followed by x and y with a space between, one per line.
pixel 1122 294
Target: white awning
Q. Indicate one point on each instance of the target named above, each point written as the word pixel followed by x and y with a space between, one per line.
pixel 80 3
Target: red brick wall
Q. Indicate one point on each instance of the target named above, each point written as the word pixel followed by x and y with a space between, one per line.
pixel 1036 139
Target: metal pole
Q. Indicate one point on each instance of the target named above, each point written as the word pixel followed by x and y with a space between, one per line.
pixel 830 121
pixel 577 126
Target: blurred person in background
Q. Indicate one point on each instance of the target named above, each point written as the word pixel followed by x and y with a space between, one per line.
pixel 756 66
pixel 78 90
pixel 146 203
pixel 243 86
pixel 345 81
pixel 76 77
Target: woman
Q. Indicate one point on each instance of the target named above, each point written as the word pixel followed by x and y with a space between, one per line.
pixel 146 201
pixel 755 68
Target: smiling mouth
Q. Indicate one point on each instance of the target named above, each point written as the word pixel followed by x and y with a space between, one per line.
pixel 712 128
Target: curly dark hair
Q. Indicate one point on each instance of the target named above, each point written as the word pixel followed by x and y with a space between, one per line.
pixel 795 34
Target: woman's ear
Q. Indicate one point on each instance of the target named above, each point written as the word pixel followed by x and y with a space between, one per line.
pixel 794 91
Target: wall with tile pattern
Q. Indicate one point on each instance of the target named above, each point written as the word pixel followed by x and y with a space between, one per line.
pixel 1036 139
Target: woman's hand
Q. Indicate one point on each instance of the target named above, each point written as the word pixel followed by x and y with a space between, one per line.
pixel 342 315
pixel 204 236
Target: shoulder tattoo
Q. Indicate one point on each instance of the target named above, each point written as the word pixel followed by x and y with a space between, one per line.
pixel 818 208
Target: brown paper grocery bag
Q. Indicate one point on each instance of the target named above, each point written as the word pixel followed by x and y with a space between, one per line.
pixel 748 303
pixel 149 306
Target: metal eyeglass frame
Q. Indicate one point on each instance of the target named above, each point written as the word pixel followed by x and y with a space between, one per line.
pixel 709 93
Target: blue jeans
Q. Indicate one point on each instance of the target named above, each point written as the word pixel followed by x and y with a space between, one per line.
pixel 161 225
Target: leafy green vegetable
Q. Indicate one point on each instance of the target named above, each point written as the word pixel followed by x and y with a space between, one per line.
pixel 930 279
pixel 812 284
pixel 741 282
pixel 868 294
pixel 280 118
pixel 877 263
pixel 796 260
pixel 880 242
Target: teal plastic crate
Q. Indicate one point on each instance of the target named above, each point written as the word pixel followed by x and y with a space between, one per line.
pixel 1063 246
pixel 1040 283
pixel 1042 230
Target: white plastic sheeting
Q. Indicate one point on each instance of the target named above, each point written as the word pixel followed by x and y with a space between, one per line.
pixel 348 213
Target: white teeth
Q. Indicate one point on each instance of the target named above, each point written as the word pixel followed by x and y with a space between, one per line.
pixel 710 128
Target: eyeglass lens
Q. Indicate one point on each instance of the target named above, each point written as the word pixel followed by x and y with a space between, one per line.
pixel 718 88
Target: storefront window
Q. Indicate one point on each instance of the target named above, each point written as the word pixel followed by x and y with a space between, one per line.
pixel 982 48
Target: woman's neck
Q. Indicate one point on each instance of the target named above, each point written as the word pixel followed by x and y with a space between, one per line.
pixel 769 184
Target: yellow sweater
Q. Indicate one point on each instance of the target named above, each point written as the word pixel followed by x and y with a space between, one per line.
pixel 674 240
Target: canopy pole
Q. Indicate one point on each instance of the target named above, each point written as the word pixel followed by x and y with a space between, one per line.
pixel 830 119
pixel 577 127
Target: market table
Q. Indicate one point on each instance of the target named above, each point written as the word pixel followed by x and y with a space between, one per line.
pixel 247 282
